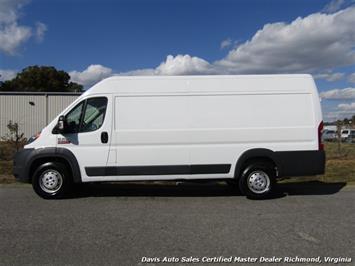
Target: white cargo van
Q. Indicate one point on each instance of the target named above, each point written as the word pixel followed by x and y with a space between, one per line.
pixel 250 129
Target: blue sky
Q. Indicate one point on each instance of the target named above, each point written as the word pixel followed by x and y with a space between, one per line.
pixel 94 39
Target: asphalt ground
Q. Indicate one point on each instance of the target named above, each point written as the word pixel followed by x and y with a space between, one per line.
pixel 127 224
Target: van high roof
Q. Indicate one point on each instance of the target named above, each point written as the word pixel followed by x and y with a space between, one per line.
pixel 288 83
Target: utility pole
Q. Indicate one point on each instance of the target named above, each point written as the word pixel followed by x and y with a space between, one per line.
pixel 339 124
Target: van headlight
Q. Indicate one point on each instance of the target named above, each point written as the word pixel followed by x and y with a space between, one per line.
pixel 34 137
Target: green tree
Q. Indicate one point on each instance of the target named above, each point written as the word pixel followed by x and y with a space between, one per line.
pixel 41 78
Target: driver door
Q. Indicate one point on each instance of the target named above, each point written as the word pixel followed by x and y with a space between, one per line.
pixel 87 135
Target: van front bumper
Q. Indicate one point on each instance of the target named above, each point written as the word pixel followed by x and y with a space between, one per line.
pixel 19 165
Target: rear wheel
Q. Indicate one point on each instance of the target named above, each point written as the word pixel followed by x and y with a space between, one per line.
pixel 51 180
pixel 258 181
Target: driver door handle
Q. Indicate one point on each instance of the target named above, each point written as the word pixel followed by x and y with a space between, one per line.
pixel 104 137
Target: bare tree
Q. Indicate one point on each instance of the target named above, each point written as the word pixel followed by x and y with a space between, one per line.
pixel 16 139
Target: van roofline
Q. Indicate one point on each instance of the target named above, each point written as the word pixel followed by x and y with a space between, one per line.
pixel 149 84
pixel 304 75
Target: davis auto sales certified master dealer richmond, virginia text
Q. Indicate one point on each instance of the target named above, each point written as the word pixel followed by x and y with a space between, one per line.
pixel 236 259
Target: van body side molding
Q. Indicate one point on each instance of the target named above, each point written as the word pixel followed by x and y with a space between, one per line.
pixel 159 170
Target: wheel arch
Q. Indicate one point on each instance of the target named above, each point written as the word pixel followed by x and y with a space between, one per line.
pixel 47 155
pixel 255 155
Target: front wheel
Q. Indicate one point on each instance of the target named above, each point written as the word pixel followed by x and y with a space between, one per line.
pixel 258 181
pixel 51 180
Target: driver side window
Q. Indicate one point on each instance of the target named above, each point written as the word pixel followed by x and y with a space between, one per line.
pixel 87 116
pixel 94 114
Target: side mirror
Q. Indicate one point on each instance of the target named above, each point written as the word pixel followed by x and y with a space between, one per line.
pixel 60 124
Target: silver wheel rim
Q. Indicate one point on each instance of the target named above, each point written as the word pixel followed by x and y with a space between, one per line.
pixel 258 182
pixel 50 181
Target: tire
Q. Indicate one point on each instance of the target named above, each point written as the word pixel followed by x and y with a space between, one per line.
pixel 51 180
pixel 258 181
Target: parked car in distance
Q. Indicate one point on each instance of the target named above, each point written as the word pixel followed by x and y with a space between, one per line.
pixel 351 137
pixel 345 134
pixel 329 135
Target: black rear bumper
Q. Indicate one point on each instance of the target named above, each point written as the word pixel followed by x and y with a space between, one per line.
pixel 21 161
pixel 300 163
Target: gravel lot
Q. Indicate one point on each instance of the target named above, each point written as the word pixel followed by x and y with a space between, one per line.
pixel 118 224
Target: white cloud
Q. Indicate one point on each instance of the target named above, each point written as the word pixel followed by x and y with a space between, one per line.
pixel 313 44
pixel 226 43
pixel 335 115
pixel 329 76
pixel 12 34
pixel 177 65
pixel 6 74
pixel 9 10
pixel 139 72
pixel 339 94
pixel 183 65
pixel 333 6
pixel 91 75
pixel 351 78
pixel 347 106
pixel 318 41
pixel 341 111
pixel 40 31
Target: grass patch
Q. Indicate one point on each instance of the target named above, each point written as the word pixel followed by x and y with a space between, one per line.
pixel 340 164
pixel 5 167
pixel 6 172
pixel 346 152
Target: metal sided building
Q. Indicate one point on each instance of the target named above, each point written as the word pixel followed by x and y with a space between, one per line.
pixel 32 110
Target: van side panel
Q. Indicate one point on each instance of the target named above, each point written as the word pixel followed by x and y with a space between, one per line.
pixel 208 130
pixel 223 127
pixel 150 130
